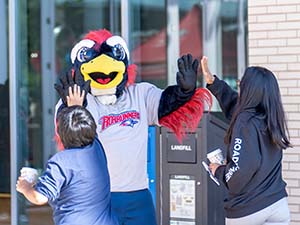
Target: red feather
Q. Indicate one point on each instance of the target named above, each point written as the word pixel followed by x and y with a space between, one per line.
pixel 187 117
pixel 99 36
pixel 131 72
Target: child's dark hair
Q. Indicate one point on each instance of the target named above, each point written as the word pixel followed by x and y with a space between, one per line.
pixel 76 127
pixel 259 91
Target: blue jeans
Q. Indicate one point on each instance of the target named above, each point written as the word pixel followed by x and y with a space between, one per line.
pixel 134 208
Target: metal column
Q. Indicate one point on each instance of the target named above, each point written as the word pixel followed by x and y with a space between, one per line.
pixel 172 39
pixel 12 34
pixel 48 75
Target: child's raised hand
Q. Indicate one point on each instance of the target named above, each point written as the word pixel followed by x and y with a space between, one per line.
pixel 76 96
pixel 209 78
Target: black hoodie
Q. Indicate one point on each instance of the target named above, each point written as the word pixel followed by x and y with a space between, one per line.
pixel 253 174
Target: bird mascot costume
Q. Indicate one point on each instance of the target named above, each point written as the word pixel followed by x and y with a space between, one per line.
pixel 123 110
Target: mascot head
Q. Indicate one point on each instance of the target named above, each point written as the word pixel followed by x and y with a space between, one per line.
pixel 104 59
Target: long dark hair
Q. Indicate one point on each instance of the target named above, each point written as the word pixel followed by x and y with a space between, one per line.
pixel 259 92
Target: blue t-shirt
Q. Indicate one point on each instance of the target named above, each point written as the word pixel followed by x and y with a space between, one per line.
pixel 76 183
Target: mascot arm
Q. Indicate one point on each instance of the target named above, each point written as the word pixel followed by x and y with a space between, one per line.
pixel 181 106
pixel 171 99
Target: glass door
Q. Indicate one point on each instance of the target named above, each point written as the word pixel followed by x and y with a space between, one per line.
pixel 4 120
pixel 45 33
pixel 217 29
pixel 148 40
pixel 29 105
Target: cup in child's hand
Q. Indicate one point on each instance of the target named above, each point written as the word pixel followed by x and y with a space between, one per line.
pixel 216 156
pixel 29 174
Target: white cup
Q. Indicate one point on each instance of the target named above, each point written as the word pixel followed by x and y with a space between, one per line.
pixel 216 156
pixel 30 174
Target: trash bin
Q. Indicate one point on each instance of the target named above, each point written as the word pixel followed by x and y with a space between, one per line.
pixel 185 195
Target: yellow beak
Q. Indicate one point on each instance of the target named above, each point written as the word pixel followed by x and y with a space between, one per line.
pixel 105 65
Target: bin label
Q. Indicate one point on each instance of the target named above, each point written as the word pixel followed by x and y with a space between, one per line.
pixel 182 200
pixel 184 152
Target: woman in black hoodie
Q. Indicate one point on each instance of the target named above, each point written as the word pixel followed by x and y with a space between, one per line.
pixel 255 138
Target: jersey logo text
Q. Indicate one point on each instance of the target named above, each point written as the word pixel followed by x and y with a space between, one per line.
pixel 129 118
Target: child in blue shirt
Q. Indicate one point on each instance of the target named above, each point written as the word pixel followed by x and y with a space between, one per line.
pixel 76 182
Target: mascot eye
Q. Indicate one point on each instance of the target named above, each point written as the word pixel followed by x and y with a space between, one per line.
pixel 85 54
pixel 119 52
pixel 78 51
pixel 117 47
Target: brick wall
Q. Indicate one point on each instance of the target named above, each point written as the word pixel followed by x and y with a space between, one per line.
pixel 274 42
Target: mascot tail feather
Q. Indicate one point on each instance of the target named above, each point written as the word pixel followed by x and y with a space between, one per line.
pixel 187 117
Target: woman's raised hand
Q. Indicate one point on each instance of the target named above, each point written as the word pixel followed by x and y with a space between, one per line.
pixel 209 78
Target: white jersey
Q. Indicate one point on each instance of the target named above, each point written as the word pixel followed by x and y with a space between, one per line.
pixel 123 130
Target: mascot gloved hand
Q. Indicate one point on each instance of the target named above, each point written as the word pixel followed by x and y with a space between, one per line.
pixel 67 80
pixel 187 75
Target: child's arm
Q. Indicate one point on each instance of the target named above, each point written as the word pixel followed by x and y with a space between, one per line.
pixel 28 191
pixel 76 96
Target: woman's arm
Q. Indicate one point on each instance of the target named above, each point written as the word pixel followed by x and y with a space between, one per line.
pixel 244 157
pixel 225 95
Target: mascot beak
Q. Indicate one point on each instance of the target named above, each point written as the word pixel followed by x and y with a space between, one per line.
pixel 104 72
